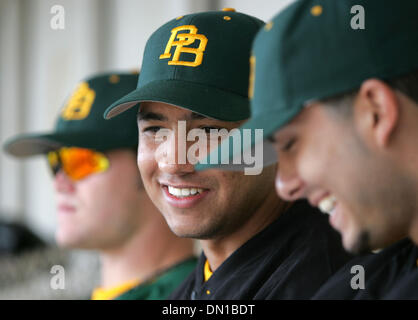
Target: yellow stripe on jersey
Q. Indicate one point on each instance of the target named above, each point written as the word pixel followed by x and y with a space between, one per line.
pixel 207 273
pixel 114 292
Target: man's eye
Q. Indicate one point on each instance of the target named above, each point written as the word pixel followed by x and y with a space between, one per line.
pixel 152 129
pixel 208 129
pixel 288 145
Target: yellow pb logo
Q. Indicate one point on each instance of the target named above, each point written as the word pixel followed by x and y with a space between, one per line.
pixel 79 105
pixel 180 41
pixel 252 77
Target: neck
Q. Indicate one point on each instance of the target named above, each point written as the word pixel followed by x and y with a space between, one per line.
pixel 144 254
pixel 410 165
pixel 219 249
pixel 413 231
pixel 406 156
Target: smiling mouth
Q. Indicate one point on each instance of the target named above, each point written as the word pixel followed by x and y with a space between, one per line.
pixel 184 192
pixel 66 208
pixel 327 204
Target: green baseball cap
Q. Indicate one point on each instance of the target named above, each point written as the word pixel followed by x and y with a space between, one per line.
pixel 199 62
pixel 315 49
pixel 80 122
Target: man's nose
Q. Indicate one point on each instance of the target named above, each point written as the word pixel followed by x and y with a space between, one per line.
pixel 289 185
pixel 62 183
pixel 172 156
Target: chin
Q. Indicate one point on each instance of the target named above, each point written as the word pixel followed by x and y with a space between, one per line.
pixel 357 243
pixel 184 231
pixel 190 231
pixel 67 240
pixel 63 243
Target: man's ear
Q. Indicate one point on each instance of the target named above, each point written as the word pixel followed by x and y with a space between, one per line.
pixel 376 111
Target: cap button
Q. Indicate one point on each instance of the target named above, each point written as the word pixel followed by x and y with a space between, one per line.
pixel 229 9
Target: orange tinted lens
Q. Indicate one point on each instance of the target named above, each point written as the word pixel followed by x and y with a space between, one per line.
pixel 78 163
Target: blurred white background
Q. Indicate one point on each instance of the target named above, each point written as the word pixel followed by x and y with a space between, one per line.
pixel 39 68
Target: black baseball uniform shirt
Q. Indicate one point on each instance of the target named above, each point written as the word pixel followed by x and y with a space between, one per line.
pixel 289 259
pixel 390 274
pixel 406 288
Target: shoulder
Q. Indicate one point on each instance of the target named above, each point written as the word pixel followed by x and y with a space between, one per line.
pixel 406 288
pixel 315 239
pixel 164 284
pixel 383 272
pixel 303 253
pixel 178 272
pixel 185 289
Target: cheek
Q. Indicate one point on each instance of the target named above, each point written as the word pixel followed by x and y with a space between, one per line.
pixel 146 149
pixel 92 198
pixel 318 161
pixel 312 169
pixel 225 183
pixel 277 181
pixel 230 186
pixel 146 160
pixel 105 204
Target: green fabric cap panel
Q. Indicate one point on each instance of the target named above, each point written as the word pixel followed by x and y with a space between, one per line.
pixel 163 285
pixel 316 49
pixel 199 62
pixel 80 122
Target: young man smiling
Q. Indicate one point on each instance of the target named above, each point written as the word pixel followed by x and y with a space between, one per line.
pixel 345 129
pixel 102 204
pixel 255 246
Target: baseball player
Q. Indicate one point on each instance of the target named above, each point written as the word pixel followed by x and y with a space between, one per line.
pixel 335 88
pixel 255 246
pixel 101 202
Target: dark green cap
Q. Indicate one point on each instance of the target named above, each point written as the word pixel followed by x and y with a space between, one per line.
pixel 199 62
pixel 316 49
pixel 80 122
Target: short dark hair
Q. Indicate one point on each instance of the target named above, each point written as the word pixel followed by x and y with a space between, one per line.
pixel 341 103
pixel 407 84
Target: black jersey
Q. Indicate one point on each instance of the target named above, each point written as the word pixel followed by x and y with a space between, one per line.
pixel 406 288
pixel 289 259
pixel 387 275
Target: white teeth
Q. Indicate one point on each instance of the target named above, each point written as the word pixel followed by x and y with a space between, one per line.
pixel 327 204
pixel 183 192
pixel 174 191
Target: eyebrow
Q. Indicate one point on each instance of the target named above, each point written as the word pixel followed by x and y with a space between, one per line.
pixel 196 116
pixel 147 115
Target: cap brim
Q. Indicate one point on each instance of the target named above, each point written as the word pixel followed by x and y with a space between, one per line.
pixel 268 123
pixel 27 145
pixel 208 101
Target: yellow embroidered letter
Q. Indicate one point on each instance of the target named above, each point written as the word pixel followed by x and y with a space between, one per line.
pixel 185 39
pixel 79 105
pixel 252 77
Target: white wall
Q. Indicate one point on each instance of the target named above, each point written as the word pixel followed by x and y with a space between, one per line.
pixel 10 171
pixel 40 66
pixel 262 9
